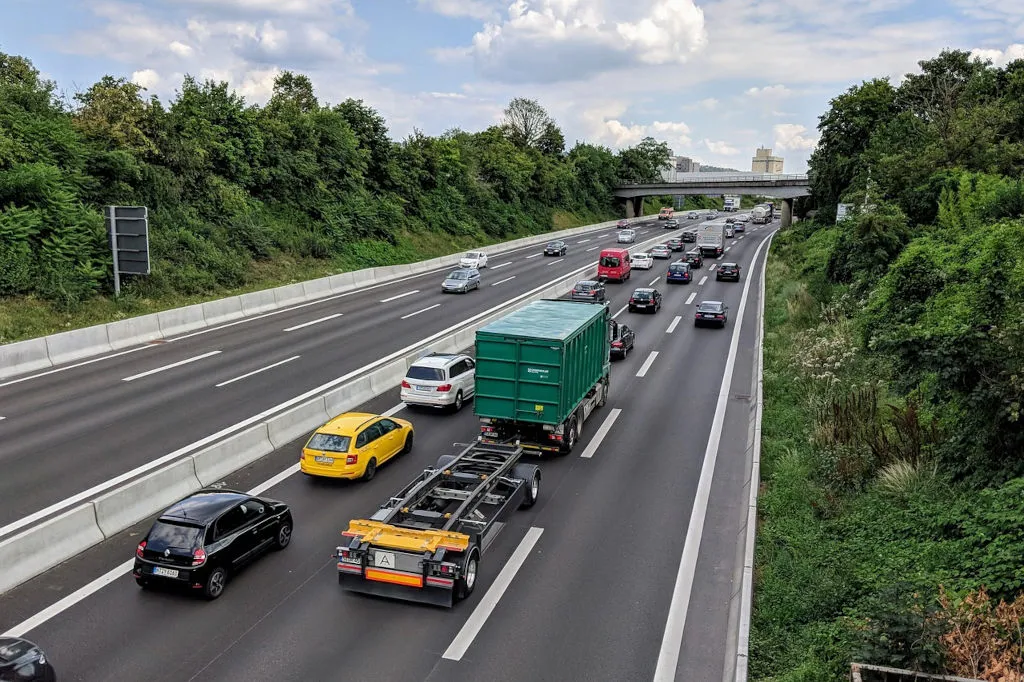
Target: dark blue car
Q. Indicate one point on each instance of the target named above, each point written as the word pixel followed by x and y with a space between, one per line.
pixel 679 272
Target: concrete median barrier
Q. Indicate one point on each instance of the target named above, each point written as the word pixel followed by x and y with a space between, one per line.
pixel 129 504
pixel 346 281
pixel 296 422
pixel 289 294
pixel 223 310
pixel 133 331
pixel 181 320
pixel 23 356
pixel 317 288
pixel 40 548
pixel 347 397
pixel 217 461
pixel 258 302
pixel 77 344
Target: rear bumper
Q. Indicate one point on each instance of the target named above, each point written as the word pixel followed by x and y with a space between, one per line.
pixel 346 471
pixel 436 595
pixel 429 400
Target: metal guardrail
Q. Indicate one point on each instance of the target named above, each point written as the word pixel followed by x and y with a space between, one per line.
pixel 718 178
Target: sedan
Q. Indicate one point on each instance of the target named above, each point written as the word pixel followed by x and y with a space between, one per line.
pixel 354 444
pixel 555 248
pixel 694 258
pixel 622 223
pixel 623 338
pixel 588 290
pixel 645 298
pixel 730 271
pixel 692 215
pixel 200 541
pixel 676 244
pixel 22 660
pixel 661 251
pixel 671 223
pixel 642 261
pixel 626 237
pixel 461 281
pixel 690 237
pixel 739 226
pixel 711 312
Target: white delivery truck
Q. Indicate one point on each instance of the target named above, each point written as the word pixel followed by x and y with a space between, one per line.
pixel 711 239
pixel 732 203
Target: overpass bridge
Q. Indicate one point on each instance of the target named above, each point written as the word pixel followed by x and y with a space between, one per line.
pixel 777 185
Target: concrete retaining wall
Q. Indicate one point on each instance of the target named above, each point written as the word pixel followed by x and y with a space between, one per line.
pixel 26 555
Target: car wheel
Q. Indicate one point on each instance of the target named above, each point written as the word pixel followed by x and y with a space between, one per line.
pixel 142 582
pixel 458 401
pixel 371 469
pixel 215 583
pixel 407 448
pixel 284 536
pixel 570 437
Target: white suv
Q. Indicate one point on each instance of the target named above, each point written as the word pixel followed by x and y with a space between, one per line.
pixel 474 259
pixel 440 380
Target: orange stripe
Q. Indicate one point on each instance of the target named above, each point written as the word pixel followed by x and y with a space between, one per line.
pixel 396 578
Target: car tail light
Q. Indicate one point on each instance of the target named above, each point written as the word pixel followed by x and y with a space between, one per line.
pixel 405 384
pixel 351 459
pixel 199 557
pixel 719 317
pixel 616 344
pixel 444 388
pixel 140 549
pixel 631 300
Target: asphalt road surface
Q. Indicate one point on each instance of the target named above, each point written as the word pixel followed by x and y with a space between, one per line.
pixel 590 601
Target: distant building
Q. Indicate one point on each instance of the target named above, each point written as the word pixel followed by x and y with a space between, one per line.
pixel 764 162
pixel 679 164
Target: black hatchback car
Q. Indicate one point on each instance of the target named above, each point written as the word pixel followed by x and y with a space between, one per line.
pixel 730 271
pixel 555 248
pixel 711 312
pixel 676 244
pixel 22 660
pixel 645 299
pixel 623 339
pixel 694 258
pixel 688 237
pixel 201 540
pixel 588 290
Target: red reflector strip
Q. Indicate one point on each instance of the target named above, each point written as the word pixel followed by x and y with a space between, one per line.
pixel 386 576
pixel 351 568
pixel 351 535
pixel 440 582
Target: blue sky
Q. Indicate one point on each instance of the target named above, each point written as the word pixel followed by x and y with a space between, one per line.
pixel 715 79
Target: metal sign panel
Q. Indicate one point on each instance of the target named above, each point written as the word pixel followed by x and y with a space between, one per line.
pixel 128 228
pixel 842 211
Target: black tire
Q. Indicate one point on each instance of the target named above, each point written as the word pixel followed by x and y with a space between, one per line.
pixel 572 435
pixel 531 474
pixel 215 583
pixel 371 469
pixel 457 405
pixel 142 582
pixel 284 535
pixel 604 396
pixel 470 573
pixel 407 448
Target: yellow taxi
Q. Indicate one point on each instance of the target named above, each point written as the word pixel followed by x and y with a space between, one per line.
pixel 354 444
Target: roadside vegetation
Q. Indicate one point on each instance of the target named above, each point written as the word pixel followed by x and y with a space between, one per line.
pixel 892 511
pixel 244 197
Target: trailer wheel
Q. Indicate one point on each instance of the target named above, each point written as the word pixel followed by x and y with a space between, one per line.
pixel 470 572
pixel 571 435
pixel 604 392
pixel 531 474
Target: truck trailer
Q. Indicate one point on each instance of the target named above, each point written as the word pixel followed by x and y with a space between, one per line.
pixel 762 214
pixel 711 239
pixel 731 203
pixel 541 371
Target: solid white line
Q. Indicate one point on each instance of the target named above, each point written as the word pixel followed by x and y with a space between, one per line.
pixel 171 366
pixel 647 364
pixel 702 280
pixel 395 298
pixel 672 641
pixel 312 322
pixel 275 480
pixel 264 369
pixel 599 435
pixel 713 266
pixel 436 305
pixel 690 299
pixel 495 267
pixel 457 649
pixel 583 241
pixel 502 281
pixel 534 256
pixel 394 410
pixel 654 281
pixel 675 323
pixel 78 364
pixel 592 248
pixel 620 311
pixel 555 262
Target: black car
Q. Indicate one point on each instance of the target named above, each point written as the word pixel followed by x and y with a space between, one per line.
pixel 623 338
pixel 555 248
pixel 694 258
pixel 645 299
pixel 671 223
pixel 688 237
pixel 729 271
pixel 22 660
pixel 730 221
pixel 201 540
pixel 711 312
pixel 676 244
pixel 588 290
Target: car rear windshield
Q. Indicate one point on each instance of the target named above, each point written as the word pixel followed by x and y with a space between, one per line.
pixel 553 245
pixel 709 308
pixel 584 286
pixel 425 373
pixel 641 295
pixel 609 261
pixel 678 267
pixel 728 265
pixel 167 534
pixel 329 442
pixel 13 649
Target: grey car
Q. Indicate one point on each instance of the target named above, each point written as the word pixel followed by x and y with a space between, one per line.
pixel 461 281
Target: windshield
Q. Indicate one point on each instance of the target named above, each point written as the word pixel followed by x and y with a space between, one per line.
pixel 168 534
pixel 13 649
pixel 473 255
pixel 678 267
pixel 554 245
pixel 641 295
pixel 459 275
pixel 329 442
pixel 425 373
pixel 609 262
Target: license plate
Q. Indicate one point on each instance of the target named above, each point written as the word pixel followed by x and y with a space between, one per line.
pixel 641 305
pixel 321 459
pixel 711 317
pixel 165 572
pixel 424 388
pixel 384 559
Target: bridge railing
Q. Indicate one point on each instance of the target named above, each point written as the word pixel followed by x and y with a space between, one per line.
pixel 716 179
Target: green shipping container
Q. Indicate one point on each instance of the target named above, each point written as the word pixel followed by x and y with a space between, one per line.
pixel 537 363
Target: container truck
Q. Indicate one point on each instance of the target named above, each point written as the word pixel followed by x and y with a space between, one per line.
pixel 541 371
pixel 711 239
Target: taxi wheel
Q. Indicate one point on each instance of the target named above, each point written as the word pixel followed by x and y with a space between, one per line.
pixel 371 469
pixel 408 443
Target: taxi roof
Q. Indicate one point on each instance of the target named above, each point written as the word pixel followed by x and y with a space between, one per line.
pixel 346 424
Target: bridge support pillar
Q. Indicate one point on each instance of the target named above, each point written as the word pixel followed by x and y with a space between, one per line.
pixel 787 213
pixel 634 207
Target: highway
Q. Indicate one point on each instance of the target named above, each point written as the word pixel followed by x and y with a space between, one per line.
pixel 600 564
pixel 101 419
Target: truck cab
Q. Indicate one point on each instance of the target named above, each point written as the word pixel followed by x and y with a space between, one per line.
pixel 614 265
pixel 665 213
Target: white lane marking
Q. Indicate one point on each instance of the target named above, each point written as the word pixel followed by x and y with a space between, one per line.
pixel 592 248
pixel 739 238
pixel 79 364
pixel 312 322
pixel 620 311
pixel 171 366
pixel 647 364
pixel 672 641
pixel 431 307
pixel 457 649
pixel 654 281
pixel 495 267
pixel 675 323
pixel 394 410
pixel 555 262
pixel 502 281
pixel 690 299
pixel 583 241
pixel 713 266
pixel 599 435
pixel 727 248
pixel 263 369
pixel 534 256
pixel 702 280
pixel 398 296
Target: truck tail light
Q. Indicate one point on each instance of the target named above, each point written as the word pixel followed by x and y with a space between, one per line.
pixel 444 388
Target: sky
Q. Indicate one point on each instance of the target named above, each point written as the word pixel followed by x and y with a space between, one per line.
pixel 715 79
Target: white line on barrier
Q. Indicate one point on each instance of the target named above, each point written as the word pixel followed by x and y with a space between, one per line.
pixel 647 364
pixel 534 256
pixel 457 649
pixel 171 366
pixel 430 307
pixel 619 312
pixel 690 299
pixel 675 323
pixel 395 298
pixel 555 262
pixel 394 410
pixel 312 322
pixel 601 432
pixel 495 267
pixel 262 369
pixel 502 281
pixel 702 280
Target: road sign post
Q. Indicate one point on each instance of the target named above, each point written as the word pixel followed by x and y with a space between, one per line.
pixel 128 228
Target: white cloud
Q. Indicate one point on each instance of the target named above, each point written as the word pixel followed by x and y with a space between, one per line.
pixel 721 148
pixel 770 92
pixel 616 134
pixel 146 78
pixel 299 8
pixel 793 136
pixel 1001 57
pixel 474 9
pixel 447 95
pixel 181 49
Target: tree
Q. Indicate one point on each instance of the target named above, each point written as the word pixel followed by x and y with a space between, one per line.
pixel 527 123
pixel 371 130
pixel 644 162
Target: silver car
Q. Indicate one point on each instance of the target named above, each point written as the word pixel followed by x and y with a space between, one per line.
pixel 627 236
pixel 661 251
pixel 461 281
